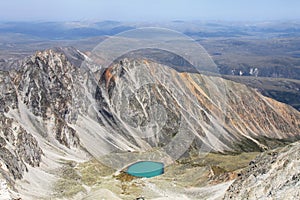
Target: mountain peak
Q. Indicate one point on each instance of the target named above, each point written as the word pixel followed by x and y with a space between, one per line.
pixel 136 105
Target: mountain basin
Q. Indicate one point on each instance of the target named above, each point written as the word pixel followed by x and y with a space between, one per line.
pixel 146 169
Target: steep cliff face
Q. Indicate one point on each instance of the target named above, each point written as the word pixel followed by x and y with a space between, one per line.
pixel 17 148
pixel 45 85
pixel 51 109
pixel 17 145
pixel 8 95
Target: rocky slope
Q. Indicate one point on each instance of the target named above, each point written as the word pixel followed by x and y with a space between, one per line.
pixel 240 112
pixel 283 90
pixel 272 175
pixel 53 112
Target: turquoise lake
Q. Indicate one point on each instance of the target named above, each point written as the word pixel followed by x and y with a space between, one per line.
pixel 146 169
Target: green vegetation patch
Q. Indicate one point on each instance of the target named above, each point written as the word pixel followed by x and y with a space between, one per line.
pixel 93 171
pixel 226 162
pixel 69 183
pixel 67 188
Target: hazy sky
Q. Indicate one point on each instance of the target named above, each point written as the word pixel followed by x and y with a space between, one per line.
pixel 135 10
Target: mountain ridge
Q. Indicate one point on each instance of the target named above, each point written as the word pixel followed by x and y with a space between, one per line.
pixel 136 105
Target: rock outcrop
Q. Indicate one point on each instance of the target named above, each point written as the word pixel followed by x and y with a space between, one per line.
pixel 18 148
pixel 272 175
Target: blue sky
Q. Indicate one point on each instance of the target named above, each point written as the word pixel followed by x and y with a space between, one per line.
pixel 142 10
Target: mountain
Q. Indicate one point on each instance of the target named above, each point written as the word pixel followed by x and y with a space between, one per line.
pixel 56 113
pixel 280 89
pixel 243 51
